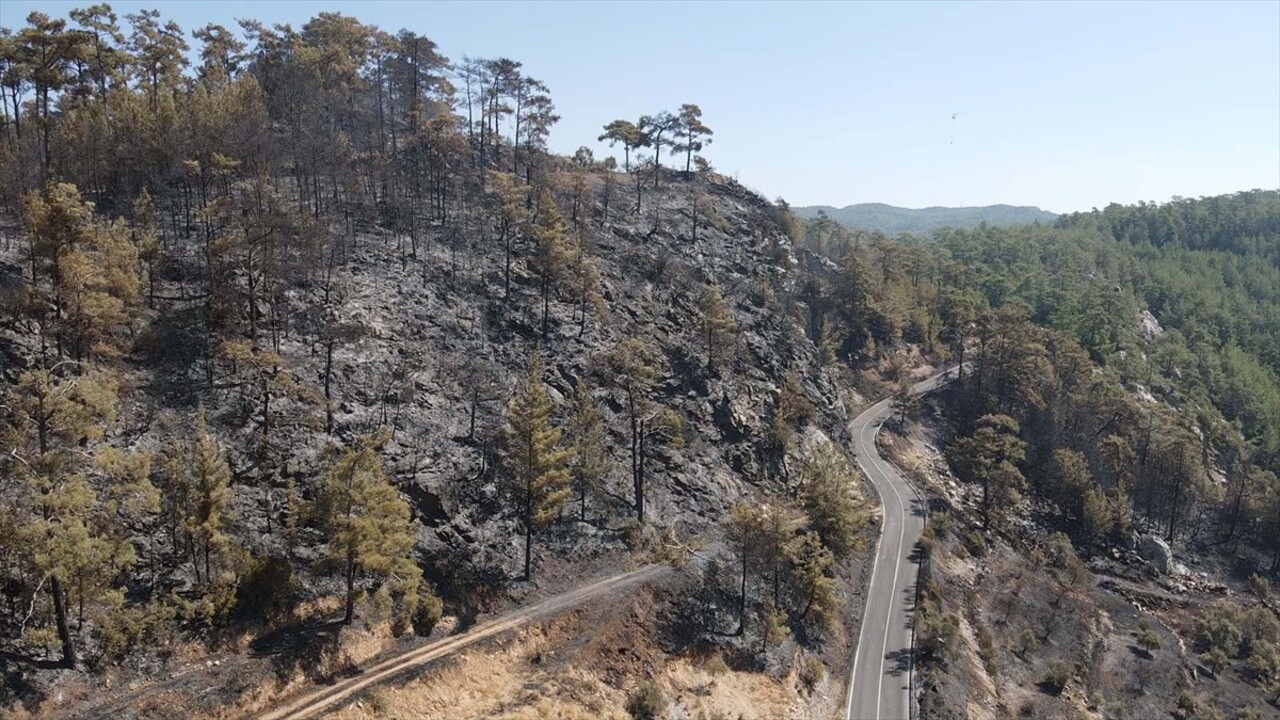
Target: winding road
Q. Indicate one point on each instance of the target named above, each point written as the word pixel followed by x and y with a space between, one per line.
pixel 880 683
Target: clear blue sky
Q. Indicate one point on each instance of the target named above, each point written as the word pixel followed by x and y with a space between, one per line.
pixel 1066 106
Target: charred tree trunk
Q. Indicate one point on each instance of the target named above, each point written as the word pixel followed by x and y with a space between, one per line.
pixel 60 613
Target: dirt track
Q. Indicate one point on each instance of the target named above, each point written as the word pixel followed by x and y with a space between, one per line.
pixel 314 702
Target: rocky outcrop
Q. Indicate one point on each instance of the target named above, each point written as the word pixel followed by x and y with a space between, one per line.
pixel 1155 551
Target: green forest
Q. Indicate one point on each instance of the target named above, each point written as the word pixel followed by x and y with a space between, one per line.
pixel 1050 318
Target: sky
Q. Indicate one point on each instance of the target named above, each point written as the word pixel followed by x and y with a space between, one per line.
pixel 1066 106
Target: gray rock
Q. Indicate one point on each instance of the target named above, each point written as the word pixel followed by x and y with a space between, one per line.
pixel 1155 551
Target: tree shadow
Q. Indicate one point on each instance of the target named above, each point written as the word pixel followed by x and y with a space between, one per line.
pixel 41 664
pixel 900 662
pixel 310 646
pixel 17 685
pixel 918 508
pixel 172 344
pixel 1140 652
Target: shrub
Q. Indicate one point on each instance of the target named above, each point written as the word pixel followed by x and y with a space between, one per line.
pixel 427 615
pixel 936 631
pixel 1260 587
pixel 267 591
pixel 378 702
pixel 121 629
pixel 942 523
pixel 1249 712
pixel 811 672
pixel 715 666
pixel 1218 627
pixel 1028 641
pixel 646 702
pixel 1260 625
pixel 1216 661
pixel 1057 678
pixel 1185 705
pixel 1060 553
pixel 1263 662
pixel 986 649
pixel 1148 639
pixel 975 544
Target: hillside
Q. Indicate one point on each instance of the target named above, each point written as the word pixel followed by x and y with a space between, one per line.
pixel 313 356
pixel 891 220
pixel 314 349
pixel 432 350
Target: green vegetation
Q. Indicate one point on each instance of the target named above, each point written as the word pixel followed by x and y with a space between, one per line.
pixel 535 463
pixel 1148 639
pixel 188 225
pixel 220 213
pixel 647 702
pixel 1056 679
pixel 370 528
pixel 1034 310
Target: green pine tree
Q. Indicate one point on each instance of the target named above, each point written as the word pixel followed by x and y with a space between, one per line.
pixel 370 527
pixel 587 436
pixel 534 461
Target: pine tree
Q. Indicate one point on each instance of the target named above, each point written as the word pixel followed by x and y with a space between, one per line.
pixel 633 367
pixel 534 461
pixel 48 418
pixel 692 134
pixel 811 562
pixel 146 240
pixel 92 269
pixel 199 487
pixel 100 291
pixel 510 217
pixel 828 495
pixel 627 134
pixel 652 128
pixel 719 328
pixel 586 280
pixel 1079 496
pixel 370 527
pixel 989 457
pixel 587 438
pixel 551 254
pixel 608 189
pixel 743 528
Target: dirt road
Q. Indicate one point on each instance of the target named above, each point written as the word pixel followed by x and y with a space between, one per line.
pixel 328 697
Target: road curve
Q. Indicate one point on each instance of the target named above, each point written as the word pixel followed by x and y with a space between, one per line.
pixel 326 698
pixel 880 683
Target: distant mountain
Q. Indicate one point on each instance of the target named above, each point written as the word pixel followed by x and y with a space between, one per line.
pixel 893 220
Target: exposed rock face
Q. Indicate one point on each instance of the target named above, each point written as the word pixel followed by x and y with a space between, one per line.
pixel 1149 326
pixel 1155 551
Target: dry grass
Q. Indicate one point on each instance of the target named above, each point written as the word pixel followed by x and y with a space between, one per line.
pixel 548 672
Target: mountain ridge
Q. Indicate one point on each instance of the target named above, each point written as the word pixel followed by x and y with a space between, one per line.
pixel 894 220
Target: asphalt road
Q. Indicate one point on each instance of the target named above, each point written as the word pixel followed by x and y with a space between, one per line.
pixel 879 686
